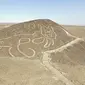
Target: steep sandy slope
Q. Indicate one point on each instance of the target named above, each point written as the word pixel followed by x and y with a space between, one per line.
pixel 32 26
pixel 23 39
pixel 73 51
pixel 69 59
pixel 28 40
pixel 53 50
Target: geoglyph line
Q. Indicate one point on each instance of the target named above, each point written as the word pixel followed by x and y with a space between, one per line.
pixel 54 33
pixel 20 50
pixel 5 46
pixel 11 53
pixel 24 42
pixel 18 47
pixel 33 41
pixel 18 35
pixel 47 44
pixel 52 42
pixel 9 50
pixel 64 46
pixel 6 38
pixel 33 52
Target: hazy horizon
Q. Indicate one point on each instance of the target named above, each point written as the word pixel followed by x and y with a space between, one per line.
pixel 34 19
pixel 61 11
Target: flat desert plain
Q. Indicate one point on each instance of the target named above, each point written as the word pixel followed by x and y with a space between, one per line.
pixel 75 30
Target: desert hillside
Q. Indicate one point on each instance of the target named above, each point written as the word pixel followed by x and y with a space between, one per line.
pixel 41 52
pixel 42 33
pixel 78 31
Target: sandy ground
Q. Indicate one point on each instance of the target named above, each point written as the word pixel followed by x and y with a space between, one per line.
pixel 16 71
pixel 24 72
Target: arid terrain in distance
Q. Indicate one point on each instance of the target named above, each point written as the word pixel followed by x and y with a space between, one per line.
pixel 42 52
